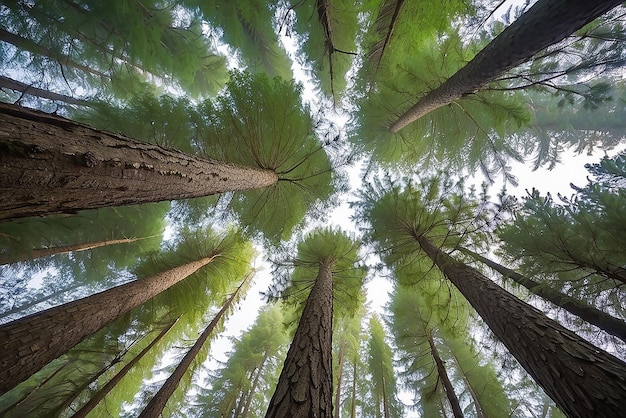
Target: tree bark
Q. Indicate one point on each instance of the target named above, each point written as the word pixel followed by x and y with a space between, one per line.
pixel 8 83
pixel 49 164
pixel 29 343
pixel 158 402
pixel 443 377
pixel 588 313
pixel 353 405
pixel 342 347
pixel 304 388
pixel 99 396
pixel 62 249
pixel 255 383
pixel 545 23
pixel 582 379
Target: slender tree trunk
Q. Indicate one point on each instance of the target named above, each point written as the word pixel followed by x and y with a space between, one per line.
pixel 156 405
pixel 386 411
pixel 244 397
pixel 342 348
pixel 353 405
pixel 99 396
pixel 29 343
pixel 255 383
pixel 582 379
pixel 35 48
pixel 304 388
pixel 27 394
pixel 8 83
pixel 545 23
pixel 445 380
pixel 62 249
pixel 602 320
pixel 49 164
pixel 27 305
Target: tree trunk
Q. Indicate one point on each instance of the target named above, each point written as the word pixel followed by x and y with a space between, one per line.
pixel 342 348
pixel 49 164
pixel 158 402
pixel 255 383
pixel 98 396
pixel 304 388
pixel 445 380
pixel 8 83
pixel 602 320
pixel 582 379
pixel 27 305
pixel 33 47
pixel 545 23
pixel 243 397
pixel 62 249
pixel 29 343
pixel 353 405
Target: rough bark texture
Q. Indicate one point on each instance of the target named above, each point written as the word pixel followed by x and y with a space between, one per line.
pixel 602 320
pixel 50 164
pixel 158 402
pixel 8 83
pixel 545 23
pixel 63 249
pixel 98 396
pixel 582 379
pixel 304 388
pixel 29 343
pixel 445 380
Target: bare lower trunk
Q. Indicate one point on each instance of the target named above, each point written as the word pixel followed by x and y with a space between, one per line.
pixel 342 348
pixel 445 380
pixel 8 83
pixel 63 249
pixel 602 320
pixel 304 388
pixel 158 402
pixel 98 396
pixel 582 379
pixel 29 343
pixel 255 383
pixel 50 164
pixel 545 23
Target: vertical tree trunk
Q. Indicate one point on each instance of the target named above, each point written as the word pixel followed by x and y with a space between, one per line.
pixel 244 396
pixel 545 23
pixel 8 83
pixel 62 249
pixel 29 343
pixel 582 379
pixel 304 388
pixel 49 164
pixel 255 383
pixel 158 402
pixel 99 396
pixel 342 347
pixel 443 377
pixel 602 320
pixel 353 405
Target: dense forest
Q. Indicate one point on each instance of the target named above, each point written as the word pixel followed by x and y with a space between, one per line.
pixel 200 201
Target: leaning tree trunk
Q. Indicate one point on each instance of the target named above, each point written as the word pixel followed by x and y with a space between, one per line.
pixel 255 384
pixel 445 380
pixel 582 379
pixel 602 320
pixel 305 385
pixel 29 343
pixel 158 402
pixel 9 83
pixel 545 23
pixel 98 396
pixel 49 164
pixel 62 249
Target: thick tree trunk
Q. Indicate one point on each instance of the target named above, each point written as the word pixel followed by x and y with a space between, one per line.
pixel 50 164
pixel 545 23
pixel 63 249
pixel 602 320
pixel 29 343
pixel 304 388
pixel 443 377
pixel 8 83
pixel 158 402
pixel 99 396
pixel 582 379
